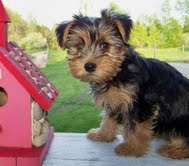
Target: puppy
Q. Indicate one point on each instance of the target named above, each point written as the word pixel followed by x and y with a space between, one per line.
pixel 145 96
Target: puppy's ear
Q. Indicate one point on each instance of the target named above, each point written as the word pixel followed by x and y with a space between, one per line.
pixel 124 25
pixel 122 22
pixel 62 32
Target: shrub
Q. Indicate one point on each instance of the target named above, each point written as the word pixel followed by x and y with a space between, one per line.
pixel 33 41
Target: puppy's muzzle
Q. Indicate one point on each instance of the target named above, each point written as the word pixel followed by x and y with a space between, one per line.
pixel 90 67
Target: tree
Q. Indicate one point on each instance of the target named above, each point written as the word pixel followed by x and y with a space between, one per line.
pixel 186 39
pixel 172 33
pixel 139 35
pixel 115 7
pixel 154 36
pixel 52 40
pixel 33 25
pixel 186 25
pixel 17 29
pixel 21 31
pixel 84 7
pixel 154 29
pixel 183 7
pixel 166 10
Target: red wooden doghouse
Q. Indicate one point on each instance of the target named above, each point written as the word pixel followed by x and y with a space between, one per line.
pixel 23 90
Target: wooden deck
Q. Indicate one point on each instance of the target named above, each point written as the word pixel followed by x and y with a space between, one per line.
pixel 68 149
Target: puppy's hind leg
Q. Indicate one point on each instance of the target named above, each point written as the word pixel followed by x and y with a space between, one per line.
pixel 106 132
pixel 178 148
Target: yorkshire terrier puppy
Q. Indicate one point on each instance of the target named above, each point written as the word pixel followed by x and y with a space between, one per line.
pixel 147 97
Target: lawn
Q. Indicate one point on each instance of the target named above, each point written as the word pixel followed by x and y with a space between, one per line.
pixel 167 54
pixel 74 110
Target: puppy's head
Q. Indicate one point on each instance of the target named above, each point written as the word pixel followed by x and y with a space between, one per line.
pixel 96 46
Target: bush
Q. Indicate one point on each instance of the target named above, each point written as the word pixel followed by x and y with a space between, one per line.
pixel 33 41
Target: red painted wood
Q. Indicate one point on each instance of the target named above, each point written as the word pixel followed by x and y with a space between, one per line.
pixel 35 156
pixel 8 152
pixel 4 19
pixel 11 161
pixel 15 115
pixel 13 44
pixel 27 156
pixel 3 35
pixel 3 14
pixel 18 68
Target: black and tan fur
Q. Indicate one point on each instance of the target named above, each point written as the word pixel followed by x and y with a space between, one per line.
pixel 147 97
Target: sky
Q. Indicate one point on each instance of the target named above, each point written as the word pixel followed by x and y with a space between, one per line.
pixel 51 12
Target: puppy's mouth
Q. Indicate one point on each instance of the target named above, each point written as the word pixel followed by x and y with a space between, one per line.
pixel 95 77
pixel 89 77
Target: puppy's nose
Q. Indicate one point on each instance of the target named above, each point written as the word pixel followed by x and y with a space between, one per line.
pixel 90 67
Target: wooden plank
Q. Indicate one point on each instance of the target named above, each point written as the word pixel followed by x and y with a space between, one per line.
pixel 70 149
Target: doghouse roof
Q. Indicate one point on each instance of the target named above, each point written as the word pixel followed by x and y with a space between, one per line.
pixel 29 76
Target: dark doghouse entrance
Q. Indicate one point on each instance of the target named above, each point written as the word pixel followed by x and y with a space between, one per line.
pixel 3 97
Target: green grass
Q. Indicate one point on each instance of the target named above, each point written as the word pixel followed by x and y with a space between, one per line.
pixel 166 54
pixel 74 110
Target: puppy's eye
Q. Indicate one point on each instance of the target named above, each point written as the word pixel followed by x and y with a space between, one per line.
pixel 104 45
pixel 79 46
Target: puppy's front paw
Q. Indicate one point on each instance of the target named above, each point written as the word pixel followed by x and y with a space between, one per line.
pixel 124 150
pixel 99 135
